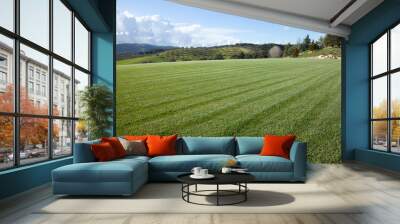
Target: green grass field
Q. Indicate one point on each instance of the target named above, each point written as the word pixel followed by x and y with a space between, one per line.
pixel 235 98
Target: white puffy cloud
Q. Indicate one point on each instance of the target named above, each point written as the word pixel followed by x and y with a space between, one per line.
pixel 159 31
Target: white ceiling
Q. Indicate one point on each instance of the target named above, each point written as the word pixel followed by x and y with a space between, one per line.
pixel 315 15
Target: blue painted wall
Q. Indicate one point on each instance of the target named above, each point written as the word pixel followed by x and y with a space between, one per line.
pixel 99 15
pixel 355 123
pixel 24 178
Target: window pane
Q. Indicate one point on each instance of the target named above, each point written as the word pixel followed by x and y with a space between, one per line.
pixel 395 47
pixel 62 89
pixel 395 94
pixel 33 139
pixel 379 135
pixel 7 14
pixel 379 97
pixel 6 74
pixel 62 138
pixel 34 97
pixel 81 131
pixel 81 45
pixel 379 55
pixel 81 82
pixel 62 29
pixel 35 21
pixel 395 138
pixel 6 142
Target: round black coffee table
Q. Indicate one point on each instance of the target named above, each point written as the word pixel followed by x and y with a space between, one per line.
pixel 238 179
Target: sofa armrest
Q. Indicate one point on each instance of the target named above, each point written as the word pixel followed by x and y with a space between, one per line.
pixel 298 155
pixel 83 152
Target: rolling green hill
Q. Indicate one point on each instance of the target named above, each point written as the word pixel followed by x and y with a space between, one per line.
pixel 235 98
pixel 238 51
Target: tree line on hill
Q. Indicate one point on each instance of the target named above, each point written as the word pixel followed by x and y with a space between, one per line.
pixel 294 50
pixel 143 53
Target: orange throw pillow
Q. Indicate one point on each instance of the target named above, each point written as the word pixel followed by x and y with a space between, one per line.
pixel 136 137
pixel 161 145
pixel 103 152
pixel 277 145
pixel 116 145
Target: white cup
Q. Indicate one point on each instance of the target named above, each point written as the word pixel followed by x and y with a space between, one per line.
pixel 196 171
pixel 226 170
pixel 203 172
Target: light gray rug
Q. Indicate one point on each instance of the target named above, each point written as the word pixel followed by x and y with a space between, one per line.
pixel 166 198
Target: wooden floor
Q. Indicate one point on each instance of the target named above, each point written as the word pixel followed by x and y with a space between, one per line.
pixel 377 188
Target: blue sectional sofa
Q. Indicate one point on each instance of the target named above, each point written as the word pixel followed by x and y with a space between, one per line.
pixel 125 176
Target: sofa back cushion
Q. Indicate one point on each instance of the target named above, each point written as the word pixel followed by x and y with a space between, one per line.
pixel 104 152
pixel 249 145
pixel 207 145
pixel 83 152
pixel 161 145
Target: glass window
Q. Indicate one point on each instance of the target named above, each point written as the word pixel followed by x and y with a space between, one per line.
pixel 6 142
pixel 395 95
pixel 81 131
pixel 81 82
pixel 62 72
pixel 33 140
pixel 81 45
pixel 379 56
pixel 40 62
pixel 30 87
pixel 62 138
pixel 379 135
pixel 3 60
pixel 34 21
pixel 6 73
pixel 395 138
pixel 62 29
pixel 388 81
pixel 7 14
pixel 395 47
pixel 379 98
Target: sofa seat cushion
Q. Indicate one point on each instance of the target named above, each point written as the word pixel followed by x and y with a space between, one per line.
pixel 112 171
pixel 185 163
pixel 133 157
pixel 257 163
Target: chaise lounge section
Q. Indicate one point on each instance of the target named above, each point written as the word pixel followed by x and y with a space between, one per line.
pixel 125 176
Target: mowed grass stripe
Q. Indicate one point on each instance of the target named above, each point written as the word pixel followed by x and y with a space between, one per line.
pixel 211 99
pixel 195 81
pixel 283 102
pixel 242 97
pixel 209 113
pixel 136 76
pixel 199 91
pixel 299 110
pixel 278 97
pixel 183 87
pixel 243 87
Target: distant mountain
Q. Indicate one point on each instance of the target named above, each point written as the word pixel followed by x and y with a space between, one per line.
pixel 131 50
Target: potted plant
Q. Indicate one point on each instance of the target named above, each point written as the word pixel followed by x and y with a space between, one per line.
pixel 96 103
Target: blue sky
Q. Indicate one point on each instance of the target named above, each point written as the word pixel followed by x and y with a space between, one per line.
pixel 166 23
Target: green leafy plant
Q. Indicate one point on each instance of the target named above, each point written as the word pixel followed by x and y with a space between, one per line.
pixel 96 102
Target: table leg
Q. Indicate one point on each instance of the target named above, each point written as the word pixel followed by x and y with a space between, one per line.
pixel 245 193
pixel 188 190
pixel 217 194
